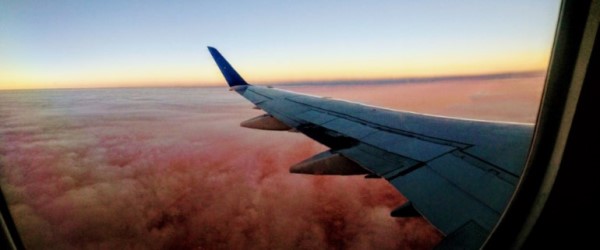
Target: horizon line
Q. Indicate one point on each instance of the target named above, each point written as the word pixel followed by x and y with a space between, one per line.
pixel 329 82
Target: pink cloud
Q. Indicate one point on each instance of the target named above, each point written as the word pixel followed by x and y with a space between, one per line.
pixel 172 169
pixel 115 175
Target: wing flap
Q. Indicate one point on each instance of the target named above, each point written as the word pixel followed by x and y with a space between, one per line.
pixel 442 202
pixel 484 186
pixel 380 162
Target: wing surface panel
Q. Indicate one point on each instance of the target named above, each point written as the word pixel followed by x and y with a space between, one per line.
pixel 464 175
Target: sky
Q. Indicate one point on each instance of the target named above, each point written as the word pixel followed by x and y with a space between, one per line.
pixel 83 44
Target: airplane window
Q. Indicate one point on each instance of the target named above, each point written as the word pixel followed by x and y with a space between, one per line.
pixel 117 129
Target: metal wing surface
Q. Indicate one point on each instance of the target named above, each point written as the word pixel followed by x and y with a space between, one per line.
pixel 457 173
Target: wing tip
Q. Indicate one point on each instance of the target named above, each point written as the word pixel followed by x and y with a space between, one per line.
pixel 231 76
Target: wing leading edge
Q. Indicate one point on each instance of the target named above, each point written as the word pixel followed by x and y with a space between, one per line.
pixel 457 173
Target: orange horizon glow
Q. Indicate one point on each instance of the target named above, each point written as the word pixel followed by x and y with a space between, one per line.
pixel 273 73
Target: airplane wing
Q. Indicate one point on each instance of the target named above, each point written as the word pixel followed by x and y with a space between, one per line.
pixel 457 173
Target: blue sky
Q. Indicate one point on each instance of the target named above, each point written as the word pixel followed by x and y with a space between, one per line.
pixel 45 44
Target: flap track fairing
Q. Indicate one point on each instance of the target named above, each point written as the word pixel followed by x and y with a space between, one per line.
pixel 265 122
pixel 328 163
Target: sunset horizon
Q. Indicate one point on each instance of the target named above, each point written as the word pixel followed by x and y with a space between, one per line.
pixel 130 44
pixel 221 82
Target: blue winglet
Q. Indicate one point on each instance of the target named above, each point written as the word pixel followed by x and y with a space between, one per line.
pixel 231 76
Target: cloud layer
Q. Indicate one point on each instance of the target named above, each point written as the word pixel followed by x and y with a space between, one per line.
pixel 171 168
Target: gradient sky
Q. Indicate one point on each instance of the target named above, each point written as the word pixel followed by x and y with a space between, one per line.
pixel 65 44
